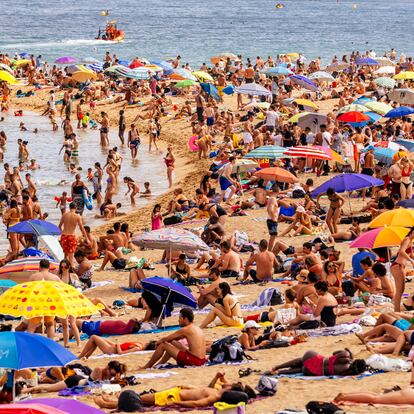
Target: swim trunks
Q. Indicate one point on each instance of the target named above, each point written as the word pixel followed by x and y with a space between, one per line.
pixel 402 324
pixel 167 397
pixel 80 116
pixel 229 273
pixel 69 243
pixel 184 358
pixel 73 380
pixel 272 227
pixel 224 183
pixel 200 114
pixel 210 121
pixel 91 328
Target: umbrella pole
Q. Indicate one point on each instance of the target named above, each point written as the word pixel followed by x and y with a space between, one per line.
pixel 164 305
pixel 349 201
pixel 169 263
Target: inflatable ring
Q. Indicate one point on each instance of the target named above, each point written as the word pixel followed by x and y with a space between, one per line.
pixel 87 200
pixel 192 143
pixel 18 113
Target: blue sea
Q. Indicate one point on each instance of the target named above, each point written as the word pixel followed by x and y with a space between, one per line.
pixel 200 29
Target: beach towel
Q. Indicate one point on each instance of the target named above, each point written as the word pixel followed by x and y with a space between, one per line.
pixel 341 329
pixel 207 364
pixel 114 356
pixel 99 284
pixel 270 296
pixel 327 377
pixel 152 375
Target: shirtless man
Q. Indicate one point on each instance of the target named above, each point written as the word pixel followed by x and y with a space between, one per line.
pixel 229 262
pixel 226 181
pixel 104 129
pixel 260 197
pixel 248 133
pixel 395 173
pixel 27 211
pixel 89 245
pixel 208 293
pixel 79 112
pixel 200 106
pixel 68 224
pixel 31 188
pixel 116 239
pixel 43 274
pixel 170 347
pixel 358 141
pixel 265 264
pixel 272 216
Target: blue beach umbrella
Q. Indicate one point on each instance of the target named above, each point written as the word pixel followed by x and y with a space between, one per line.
pixel 210 89
pixel 374 117
pixel 367 62
pixel 362 100
pixel 123 62
pixel 21 350
pixel 279 71
pixel 166 66
pixel 348 182
pixel 407 143
pixel 303 82
pixel 271 152
pixel 400 111
pixel 228 90
pixel 384 155
pixel 37 227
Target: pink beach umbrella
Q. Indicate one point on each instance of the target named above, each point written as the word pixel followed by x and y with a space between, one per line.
pixel 65 60
pixel 380 237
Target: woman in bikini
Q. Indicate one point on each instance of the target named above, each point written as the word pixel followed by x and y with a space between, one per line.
pixel 346 235
pixel 132 187
pixel 334 211
pixel 169 160
pixel 405 255
pixel 406 188
pixel 97 183
pixel 153 134
pixel 226 308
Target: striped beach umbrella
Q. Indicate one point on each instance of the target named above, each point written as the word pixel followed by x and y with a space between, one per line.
pixel 180 74
pixel 390 144
pixel 322 76
pixel 271 152
pixel 307 151
pixel 20 269
pixel 253 89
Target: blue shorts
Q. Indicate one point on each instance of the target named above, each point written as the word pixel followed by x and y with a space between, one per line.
pixel 402 324
pixel 210 121
pixel 224 183
pixel 91 328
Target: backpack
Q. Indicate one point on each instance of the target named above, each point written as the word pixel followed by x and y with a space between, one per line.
pixel 227 349
pixel 267 386
pixel 175 219
pixel 316 407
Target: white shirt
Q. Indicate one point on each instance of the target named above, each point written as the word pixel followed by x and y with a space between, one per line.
pixel 52 101
pixel 310 138
pixel 277 139
pixel 272 118
pixel 326 139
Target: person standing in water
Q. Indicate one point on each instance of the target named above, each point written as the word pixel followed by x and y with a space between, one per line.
pixel 121 126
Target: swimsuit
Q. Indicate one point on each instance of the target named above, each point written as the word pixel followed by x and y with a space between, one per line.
pixel 69 243
pixel 229 273
pixel 167 397
pixel 184 358
pixel 316 365
pixel 328 316
pixel 224 183
pixel 272 227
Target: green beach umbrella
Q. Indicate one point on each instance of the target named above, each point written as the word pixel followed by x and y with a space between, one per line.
pixel 185 83
pixel 385 82
pixel 379 107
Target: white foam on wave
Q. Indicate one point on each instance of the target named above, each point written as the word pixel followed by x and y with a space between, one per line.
pixel 59 43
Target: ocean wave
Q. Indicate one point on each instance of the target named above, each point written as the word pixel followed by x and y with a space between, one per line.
pixel 59 43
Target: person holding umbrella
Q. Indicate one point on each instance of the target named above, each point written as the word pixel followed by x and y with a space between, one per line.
pixel 194 354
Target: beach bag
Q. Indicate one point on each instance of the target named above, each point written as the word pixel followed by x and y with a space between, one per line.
pixel 227 349
pixel 309 325
pixel 267 386
pixel 175 219
pixel 317 407
pixel 384 363
pixel 234 397
pixel 277 297
pixel 224 408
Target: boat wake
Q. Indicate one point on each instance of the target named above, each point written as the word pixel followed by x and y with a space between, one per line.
pixel 59 43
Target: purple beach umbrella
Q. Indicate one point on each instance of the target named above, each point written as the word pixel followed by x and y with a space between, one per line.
pixel 65 60
pixel 366 62
pixel 303 82
pixel 67 405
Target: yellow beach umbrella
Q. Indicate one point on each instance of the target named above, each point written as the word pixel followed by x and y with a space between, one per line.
pixel 295 118
pixel 45 298
pixel 408 75
pixel 7 77
pixel 381 237
pixel 379 107
pixel 203 76
pixel 401 217
pixel 306 102
pixel 82 76
pixel 21 62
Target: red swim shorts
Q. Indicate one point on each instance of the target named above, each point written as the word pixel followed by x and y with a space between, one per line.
pixel 80 116
pixel 69 243
pixel 184 358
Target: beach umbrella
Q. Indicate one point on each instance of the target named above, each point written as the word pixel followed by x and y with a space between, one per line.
pixel 384 155
pixel 303 82
pixel 308 104
pixel 154 68
pixel 21 62
pixel 353 116
pixel 229 90
pixel 337 67
pixel 402 96
pixel 72 68
pixel 385 70
pixel 278 71
pixel 260 105
pixel 244 165
pixel 399 112
pixel 385 82
pixel 334 156
pixel 295 118
pixel 229 55
pixel 322 76
pixel 139 73
pixel 362 100
pixel 352 108
pixel 6 284
pixel 82 76
pixel 406 143
pixel 29 408
pixel 118 70
pixel 252 89
pixel 307 151
pixel 90 61
pixel 276 174
pixel 96 67
pixel 20 350
pixel 170 238
pixel 45 298
pixel 271 152
pixel 400 217
pixel 312 120
pixel 185 83
pixel 7 77
pixel 379 107
pixel 380 237
pixel 384 61
pixel 183 74
pixel 5 67
pixel 166 66
pixel 203 76
pixel 347 182
pixel 21 269
pixel 68 405
pixel 389 144
pixel 367 61
pixel 293 55
pixel 170 293
pixel 408 75
pixel 65 60
pixel 37 227
pixel 409 203
pixel 136 63
pixel 210 90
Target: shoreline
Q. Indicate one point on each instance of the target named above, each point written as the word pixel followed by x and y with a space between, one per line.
pixel 184 174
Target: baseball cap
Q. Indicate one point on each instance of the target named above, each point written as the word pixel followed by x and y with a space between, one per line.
pixel 300 209
pixel 251 324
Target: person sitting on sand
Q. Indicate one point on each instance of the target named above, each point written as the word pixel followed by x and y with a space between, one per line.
pixel 260 197
pixel 367 282
pixel 229 262
pixel 182 271
pixel 183 396
pixel 346 235
pixel 84 269
pixel 109 347
pixel 227 308
pixel 313 364
pixel 135 277
pixel 213 232
pixel 394 397
pixel 208 293
pixel 265 264
pixel 302 224
pixel 150 303
pixel 116 259
pixel 191 354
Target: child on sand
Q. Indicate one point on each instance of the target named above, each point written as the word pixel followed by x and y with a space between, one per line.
pixel 156 217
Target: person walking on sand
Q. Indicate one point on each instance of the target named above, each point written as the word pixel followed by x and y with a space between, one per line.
pixel 226 181
pixel 271 222
pixel 169 160
pixel 193 354
pixel 68 224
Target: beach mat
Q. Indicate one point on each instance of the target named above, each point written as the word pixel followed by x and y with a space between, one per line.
pixel 327 377
pixel 207 364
